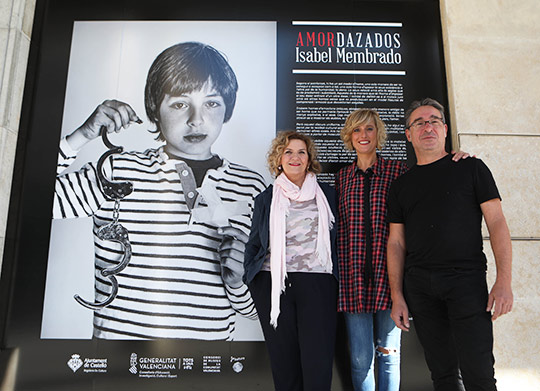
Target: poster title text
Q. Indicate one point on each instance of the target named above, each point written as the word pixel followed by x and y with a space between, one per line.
pixel 348 47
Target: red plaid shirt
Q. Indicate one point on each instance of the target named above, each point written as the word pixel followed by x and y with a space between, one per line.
pixel 356 294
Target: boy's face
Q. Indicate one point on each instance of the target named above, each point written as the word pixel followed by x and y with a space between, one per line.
pixel 191 123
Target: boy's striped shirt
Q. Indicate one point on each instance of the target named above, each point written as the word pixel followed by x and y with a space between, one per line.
pixel 172 287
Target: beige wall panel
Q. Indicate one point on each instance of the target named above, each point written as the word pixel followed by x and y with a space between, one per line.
pixel 492 18
pixel 496 85
pixel 491 50
pixel 18 72
pixel 514 336
pixel 515 164
pixel 13 79
pixel 5 59
pixel 17 14
pixel 517 346
pixel 525 270
pixel 5 13
pixel 28 16
pixel 517 379
pixel 8 143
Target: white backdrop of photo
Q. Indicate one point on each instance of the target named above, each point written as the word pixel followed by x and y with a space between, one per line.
pixel 110 60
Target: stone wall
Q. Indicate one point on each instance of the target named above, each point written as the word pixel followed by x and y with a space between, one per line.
pixel 16 18
pixel 492 53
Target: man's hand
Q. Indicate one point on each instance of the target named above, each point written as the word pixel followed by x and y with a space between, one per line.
pixel 396 269
pixel 231 252
pixel 500 299
pixel 400 314
pixel 111 114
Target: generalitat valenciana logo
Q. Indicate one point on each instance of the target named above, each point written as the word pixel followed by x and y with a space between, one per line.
pixel 133 363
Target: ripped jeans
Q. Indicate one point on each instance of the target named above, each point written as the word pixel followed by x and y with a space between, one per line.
pixel 374 335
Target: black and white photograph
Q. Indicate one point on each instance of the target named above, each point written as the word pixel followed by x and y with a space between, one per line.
pixel 156 112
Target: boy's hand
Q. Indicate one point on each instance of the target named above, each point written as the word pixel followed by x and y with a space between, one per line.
pixel 111 114
pixel 231 251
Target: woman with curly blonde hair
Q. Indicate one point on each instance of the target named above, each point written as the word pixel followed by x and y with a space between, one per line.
pixel 291 266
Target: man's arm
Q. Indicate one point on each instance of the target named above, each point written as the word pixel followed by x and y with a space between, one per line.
pixel 396 267
pixel 500 298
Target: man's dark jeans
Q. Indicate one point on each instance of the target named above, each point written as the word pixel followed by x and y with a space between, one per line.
pixel 449 312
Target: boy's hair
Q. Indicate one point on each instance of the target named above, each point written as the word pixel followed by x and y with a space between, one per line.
pixel 360 117
pixel 184 68
pixel 278 147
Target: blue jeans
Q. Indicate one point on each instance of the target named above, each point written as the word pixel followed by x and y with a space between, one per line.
pixel 374 335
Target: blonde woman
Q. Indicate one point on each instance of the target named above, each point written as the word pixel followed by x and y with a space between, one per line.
pixel 364 294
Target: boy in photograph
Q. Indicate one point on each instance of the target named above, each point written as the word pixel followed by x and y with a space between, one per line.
pixel 188 215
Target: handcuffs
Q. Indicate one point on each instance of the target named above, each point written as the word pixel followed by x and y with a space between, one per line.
pixel 114 231
pixel 216 212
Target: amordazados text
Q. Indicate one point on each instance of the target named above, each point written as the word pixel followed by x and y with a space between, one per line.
pixel 348 48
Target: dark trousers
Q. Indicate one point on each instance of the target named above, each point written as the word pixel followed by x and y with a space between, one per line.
pixel 301 348
pixel 449 311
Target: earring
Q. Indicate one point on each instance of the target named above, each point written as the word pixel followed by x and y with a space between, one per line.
pixel 280 168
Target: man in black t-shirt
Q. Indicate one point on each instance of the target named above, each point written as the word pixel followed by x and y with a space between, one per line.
pixel 436 263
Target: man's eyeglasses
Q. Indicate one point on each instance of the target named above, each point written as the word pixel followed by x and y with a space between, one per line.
pixel 435 122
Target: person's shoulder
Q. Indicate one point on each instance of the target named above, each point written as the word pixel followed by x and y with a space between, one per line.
pixel 345 170
pixel 406 177
pixel 389 162
pixel 469 163
pixel 267 191
pixel 393 165
pixel 326 186
pixel 265 195
pixel 344 174
pixel 399 164
pixel 146 157
pixel 245 173
pixel 147 152
pixel 329 191
pixel 405 169
pixel 243 169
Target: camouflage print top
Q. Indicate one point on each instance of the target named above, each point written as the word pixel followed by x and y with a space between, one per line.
pixel 301 238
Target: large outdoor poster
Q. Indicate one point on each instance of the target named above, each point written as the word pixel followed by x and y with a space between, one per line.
pixel 127 51
pixel 132 291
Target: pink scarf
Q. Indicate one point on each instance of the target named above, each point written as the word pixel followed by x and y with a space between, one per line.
pixel 284 191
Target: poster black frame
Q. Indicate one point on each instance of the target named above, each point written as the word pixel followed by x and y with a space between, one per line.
pixel 22 282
